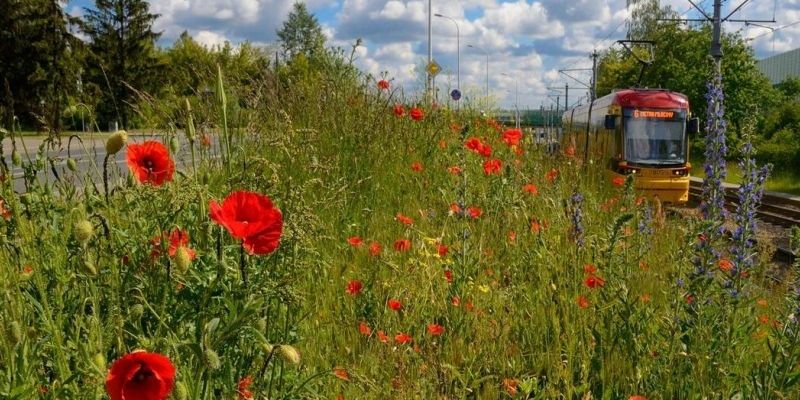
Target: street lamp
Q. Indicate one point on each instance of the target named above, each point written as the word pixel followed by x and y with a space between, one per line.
pixel 516 95
pixel 487 68
pixel 458 49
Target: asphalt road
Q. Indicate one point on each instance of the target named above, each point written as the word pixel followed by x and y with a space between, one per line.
pixel 89 161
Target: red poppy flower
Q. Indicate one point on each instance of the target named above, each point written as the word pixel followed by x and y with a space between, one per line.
pixel 594 281
pixel 383 84
pixel 243 388
pixel 395 305
pixel 205 140
pixel 582 301
pixel 354 287
pixel 442 144
pixel 485 150
pixel 618 181
pixel 725 265
pixel 536 227
pixel 375 249
pixel 341 373
pixel 442 250
pixel 531 188
pixel 474 212
pixel 364 329
pixel 435 329
pixel 140 375
pixel 551 175
pixel 512 137
pixel 404 219
pixel 448 276
pixel 399 110
pixel 637 397
pixel 569 151
pixel 492 167
pixel 455 301
pixel 473 144
pixel 416 114
pixel 589 269
pixel 402 245
pixel 252 218
pixel 510 386
pixel 383 337
pixel 689 299
pixel 150 162
pixel 455 170
pixel 179 238
pixel 4 212
pixel 512 236
pixel 416 166
pixel 455 208
pixel 402 338
pixel 355 241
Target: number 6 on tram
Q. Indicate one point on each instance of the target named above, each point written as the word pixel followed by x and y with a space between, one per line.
pixel 643 132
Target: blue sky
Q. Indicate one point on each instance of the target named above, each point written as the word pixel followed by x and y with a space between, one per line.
pixel 529 40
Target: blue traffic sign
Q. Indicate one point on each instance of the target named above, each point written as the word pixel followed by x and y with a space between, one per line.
pixel 455 94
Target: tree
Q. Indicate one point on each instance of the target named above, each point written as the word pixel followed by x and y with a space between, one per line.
pixel 682 64
pixel 39 60
pixel 301 34
pixel 123 57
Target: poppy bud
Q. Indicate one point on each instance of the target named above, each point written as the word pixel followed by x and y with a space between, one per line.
pixel 27 198
pixel 72 165
pixel 16 331
pixel 174 145
pixel 180 391
pixel 99 361
pixel 115 142
pixel 212 359
pixel 15 158
pixel 182 259
pixel 289 354
pixel 83 231
pixel 136 312
pixel 90 268
pixel 261 325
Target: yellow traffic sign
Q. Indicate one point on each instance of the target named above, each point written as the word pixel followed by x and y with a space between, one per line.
pixel 433 68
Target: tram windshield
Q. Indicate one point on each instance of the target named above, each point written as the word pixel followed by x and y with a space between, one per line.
pixel 655 137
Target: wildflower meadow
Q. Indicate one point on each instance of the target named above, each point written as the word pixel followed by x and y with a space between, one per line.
pixel 339 240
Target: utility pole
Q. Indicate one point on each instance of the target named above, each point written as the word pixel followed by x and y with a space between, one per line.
pixel 429 85
pixel 594 74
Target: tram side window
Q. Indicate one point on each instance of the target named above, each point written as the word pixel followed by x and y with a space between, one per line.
pixel 654 140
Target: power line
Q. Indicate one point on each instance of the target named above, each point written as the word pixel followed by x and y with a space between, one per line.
pixel 775 30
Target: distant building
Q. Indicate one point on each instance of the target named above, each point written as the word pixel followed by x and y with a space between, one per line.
pixel 782 66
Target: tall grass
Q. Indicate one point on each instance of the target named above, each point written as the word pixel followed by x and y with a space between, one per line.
pixel 519 316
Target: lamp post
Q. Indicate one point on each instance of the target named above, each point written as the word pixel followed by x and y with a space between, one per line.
pixel 458 49
pixel 516 95
pixel 487 68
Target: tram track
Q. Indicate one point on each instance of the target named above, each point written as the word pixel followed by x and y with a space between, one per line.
pixel 778 210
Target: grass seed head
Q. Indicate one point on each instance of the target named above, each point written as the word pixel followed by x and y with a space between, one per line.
pixel 289 354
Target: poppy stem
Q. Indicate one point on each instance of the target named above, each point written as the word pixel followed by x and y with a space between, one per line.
pixel 243 265
pixel 105 176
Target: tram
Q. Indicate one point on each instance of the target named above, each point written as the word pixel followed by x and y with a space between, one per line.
pixel 636 131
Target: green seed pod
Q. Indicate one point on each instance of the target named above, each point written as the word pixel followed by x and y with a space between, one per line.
pixel 182 259
pixel 72 164
pixel 212 359
pixel 289 354
pixel 181 393
pixel 174 144
pixel 99 361
pixel 15 158
pixel 83 231
pixel 261 325
pixel 115 142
